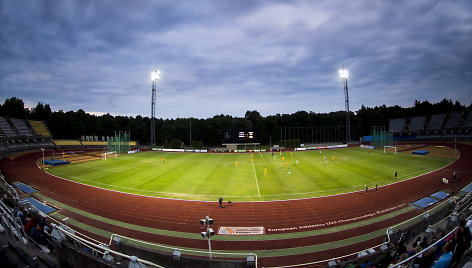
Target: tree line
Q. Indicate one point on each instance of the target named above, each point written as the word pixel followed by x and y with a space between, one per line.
pixel 209 131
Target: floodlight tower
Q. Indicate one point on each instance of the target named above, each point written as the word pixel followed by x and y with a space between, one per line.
pixel 343 73
pixel 155 75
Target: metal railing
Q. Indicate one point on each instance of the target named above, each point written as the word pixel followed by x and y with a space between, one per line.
pixel 102 249
pixel 388 232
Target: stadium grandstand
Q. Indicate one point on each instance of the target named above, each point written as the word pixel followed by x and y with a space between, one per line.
pixel 437 126
pixel 64 244
pixel 7 130
pixel 467 121
pixel 453 120
pixel 19 135
pixel 97 230
pixel 397 125
pixel 417 124
pixel 22 135
pixel 40 128
pixel 436 122
pixel 21 127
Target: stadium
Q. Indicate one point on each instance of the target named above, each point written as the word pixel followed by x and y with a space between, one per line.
pixel 114 202
pixel 278 134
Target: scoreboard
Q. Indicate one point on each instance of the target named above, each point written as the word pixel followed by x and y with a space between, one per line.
pixel 239 136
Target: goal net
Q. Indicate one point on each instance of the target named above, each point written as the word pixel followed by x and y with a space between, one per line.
pixel 109 155
pixel 120 143
pixel 380 137
pixel 390 149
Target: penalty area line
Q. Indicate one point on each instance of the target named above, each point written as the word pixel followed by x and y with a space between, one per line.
pixel 255 176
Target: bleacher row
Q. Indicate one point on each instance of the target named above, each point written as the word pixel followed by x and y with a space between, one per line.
pixel 19 135
pixel 19 128
pixel 439 125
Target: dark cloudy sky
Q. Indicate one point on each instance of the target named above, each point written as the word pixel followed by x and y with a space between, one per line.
pixel 227 57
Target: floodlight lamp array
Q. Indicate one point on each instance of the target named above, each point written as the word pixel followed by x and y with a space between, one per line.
pixel 344 74
pixel 208 233
pixel 155 75
pixel 207 222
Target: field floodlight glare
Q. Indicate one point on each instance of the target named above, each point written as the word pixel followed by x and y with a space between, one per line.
pixel 155 75
pixel 343 74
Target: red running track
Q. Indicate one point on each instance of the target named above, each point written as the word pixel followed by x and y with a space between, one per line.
pixel 275 216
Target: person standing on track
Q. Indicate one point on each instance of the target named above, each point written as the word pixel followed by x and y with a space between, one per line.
pixel 366 189
pixel 220 200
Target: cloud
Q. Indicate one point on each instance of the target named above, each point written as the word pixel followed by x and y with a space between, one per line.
pixel 226 57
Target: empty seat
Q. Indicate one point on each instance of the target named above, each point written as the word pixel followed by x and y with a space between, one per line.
pixel 21 127
pixel 453 120
pixel 6 128
pixel 468 120
pixel 436 121
pixel 67 142
pixel 417 123
pixel 397 125
pixel 40 128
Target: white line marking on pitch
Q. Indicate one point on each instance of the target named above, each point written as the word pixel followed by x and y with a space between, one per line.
pixel 257 184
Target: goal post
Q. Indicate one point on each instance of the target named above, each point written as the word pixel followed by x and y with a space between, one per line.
pixel 388 148
pixel 106 155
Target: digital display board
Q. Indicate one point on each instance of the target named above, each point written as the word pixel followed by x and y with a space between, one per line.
pixel 239 136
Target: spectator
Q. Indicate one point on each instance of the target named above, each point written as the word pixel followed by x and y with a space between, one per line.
pixel 428 258
pixel 15 210
pixel 29 224
pixel 400 250
pixel 403 257
pixel 446 257
pixel 440 245
pixel 36 235
pixel 366 264
pixel 424 242
pixel 419 258
pixel 462 241
pixel 352 265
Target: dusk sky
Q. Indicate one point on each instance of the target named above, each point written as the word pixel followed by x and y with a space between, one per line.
pixel 227 57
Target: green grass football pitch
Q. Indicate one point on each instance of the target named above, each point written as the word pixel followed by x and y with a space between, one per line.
pixel 206 176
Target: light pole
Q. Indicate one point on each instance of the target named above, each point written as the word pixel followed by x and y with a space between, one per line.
pixel 209 231
pixel 343 73
pixel 42 151
pixel 155 75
